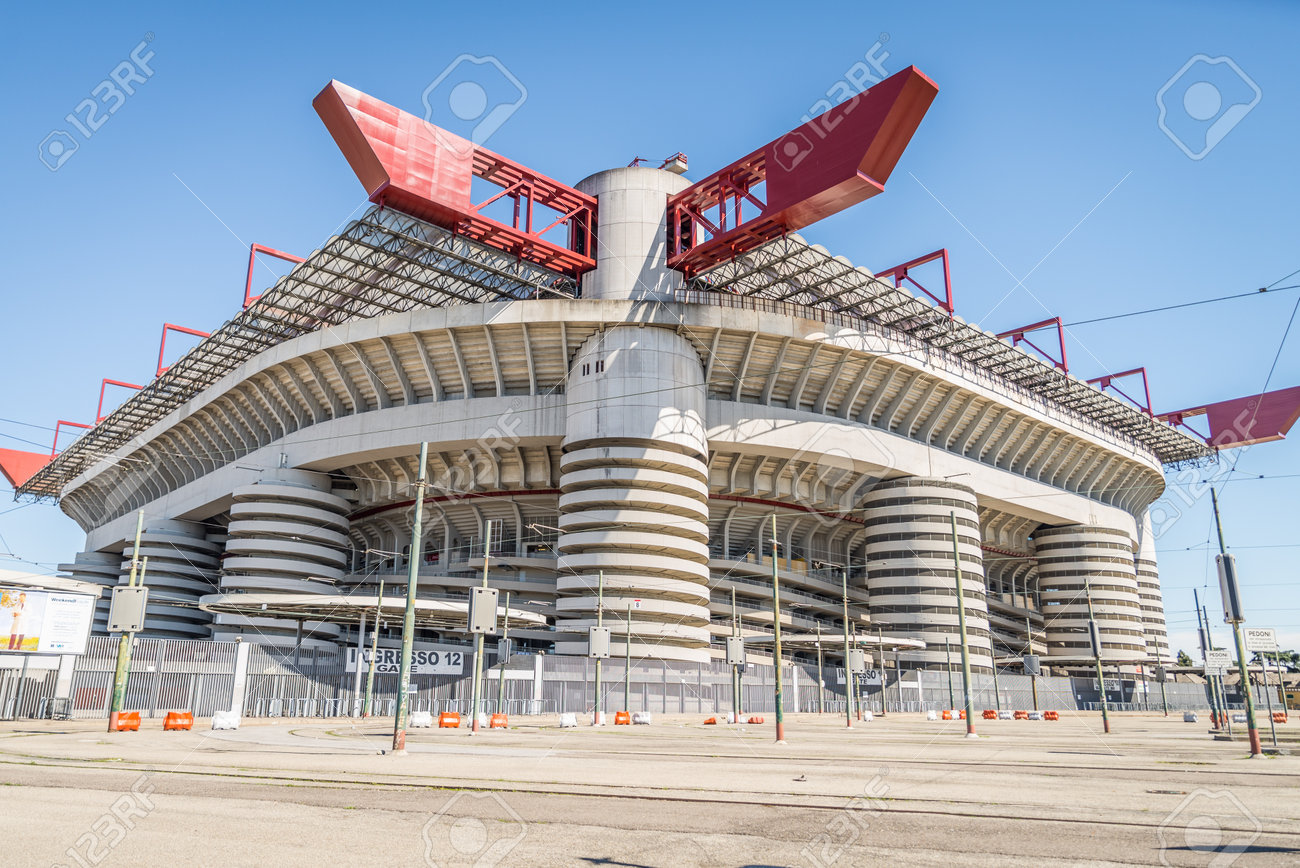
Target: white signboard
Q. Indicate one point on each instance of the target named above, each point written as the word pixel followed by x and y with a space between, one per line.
pixel 1259 638
pixel 388 661
pixel 44 622
pixel 1218 661
pixel 867 677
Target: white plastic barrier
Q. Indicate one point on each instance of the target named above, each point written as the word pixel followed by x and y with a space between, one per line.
pixel 932 715
pixel 225 720
pixel 1035 715
pixel 421 719
pixel 867 715
pixel 1238 718
pixel 641 717
pixel 1190 717
pixel 568 720
pixel 1006 714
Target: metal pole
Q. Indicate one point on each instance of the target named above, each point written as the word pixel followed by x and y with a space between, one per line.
pixel 600 622
pixel 852 676
pixel 1252 729
pixel 997 695
pixel 361 653
pixel 1268 694
pixel 848 677
pixel 476 684
pixel 627 663
pixel 1029 650
pixel 22 688
pixel 884 676
pixel 1164 699
pixel 735 667
pixel 965 645
pixel 408 620
pixel 821 694
pixel 776 639
pixel 505 643
pixel 1203 634
pixel 947 664
pixel 126 640
pixel 1101 678
pixel 374 652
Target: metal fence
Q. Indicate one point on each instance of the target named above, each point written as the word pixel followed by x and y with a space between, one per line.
pixel 204 676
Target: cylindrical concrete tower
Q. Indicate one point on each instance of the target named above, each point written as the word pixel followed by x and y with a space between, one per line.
pixel 632 251
pixel 286 531
pixel 1067 556
pixel 911 581
pixel 182 568
pixel 634 494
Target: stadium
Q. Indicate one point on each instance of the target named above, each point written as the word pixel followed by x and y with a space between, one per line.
pixel 643 396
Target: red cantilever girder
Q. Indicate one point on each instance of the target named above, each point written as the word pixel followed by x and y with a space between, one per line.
pixel 900 273
pixel 1107 381
pixel 54 447
pixel 830 163
pixel 169 327
pixel 423 170
pixel 1248 420
pixel 253 250
pixel 99 411
pixel 1018 336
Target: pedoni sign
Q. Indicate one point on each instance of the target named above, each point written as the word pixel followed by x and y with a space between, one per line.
pixel 388 661
pixel 1218 661
pixel 1259 638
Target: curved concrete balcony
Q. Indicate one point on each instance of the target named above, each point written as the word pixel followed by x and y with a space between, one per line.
pixel 642 519
pixel 635 478
pixel 598 457
pixel 617 562
pixel 618 497
pixel 620 542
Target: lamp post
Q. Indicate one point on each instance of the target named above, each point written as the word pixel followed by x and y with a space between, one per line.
pixel 1232 613
pixel 126 640
pixel 600 622
pixel 1095 632
pixel 1029 652
pixel 408 620
pixel 848 677
pixel 477 683
pixel 776 638
pixel 735 667
pixel 821 695
pixel 627 662
pixel 374 651
pixel 505 658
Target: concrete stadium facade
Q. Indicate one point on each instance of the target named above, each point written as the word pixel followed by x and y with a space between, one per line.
pixel 642 430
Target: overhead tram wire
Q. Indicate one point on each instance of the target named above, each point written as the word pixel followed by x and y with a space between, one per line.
pixel 1252 294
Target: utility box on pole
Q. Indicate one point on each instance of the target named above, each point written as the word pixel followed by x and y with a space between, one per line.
pixel 598 643
pixel 1229 589
pixel 126 613
pixel 483 610
pixel 735 651
pixel 857 660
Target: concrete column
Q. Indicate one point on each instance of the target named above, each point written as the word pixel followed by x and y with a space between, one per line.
pixel 1067 556
pixel 634 495
pixel 632 239
pixel 1149 596
pixel 910 576
pixel 287 531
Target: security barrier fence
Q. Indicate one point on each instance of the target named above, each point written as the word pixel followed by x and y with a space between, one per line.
pixel 204 676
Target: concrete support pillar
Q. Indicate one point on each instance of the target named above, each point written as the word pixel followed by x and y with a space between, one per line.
pixel 1149 596
pixel 1102 558
pixel 634 496
pixel 910 576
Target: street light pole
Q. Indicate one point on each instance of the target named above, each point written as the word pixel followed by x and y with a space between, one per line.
pixel 965 645
pixel 477 683
pixel 600 622
pixel 505 658
pixel 374 652
pixel 1096 651
pixel 947 664
pixel 776 638
pixel 821 694
pixel 126 640
pixel 1233 615
pixel 848 676
pixel 735 667
pixel 627 662
pixel 884 679
pixel 1029 652
pixel 1217 710
pixel 408 620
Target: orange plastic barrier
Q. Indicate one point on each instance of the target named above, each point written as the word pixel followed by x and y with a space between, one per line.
pixel 178 720
pixel 128 721
pixel 947 715
pixel 755 720
pixel 1022 715
pixel 1051 715
pixel 990 714
pixel 449 720
pixel 1279 717
pixel 622 718
pixel 961 714
pixel 712 721
pixel 497 721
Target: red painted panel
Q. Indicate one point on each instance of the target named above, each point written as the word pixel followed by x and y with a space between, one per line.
pixel 18 466
pixel 1254 419
pixel 423 170
pixel 832 162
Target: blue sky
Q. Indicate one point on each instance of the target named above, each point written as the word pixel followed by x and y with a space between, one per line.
pixel 1041 167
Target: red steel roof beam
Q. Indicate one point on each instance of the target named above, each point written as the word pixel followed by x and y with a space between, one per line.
pixel 103 386
pixel 834 161
pixel 1106 381
pixel 162 345
pixel 1018 337
pixel 900 273
pixel 54 448
pixel 253 250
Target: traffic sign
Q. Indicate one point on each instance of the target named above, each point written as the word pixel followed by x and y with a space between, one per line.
pixel 1217 661
pixel 1259 638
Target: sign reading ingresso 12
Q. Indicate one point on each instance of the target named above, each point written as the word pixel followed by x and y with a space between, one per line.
pixel 388 661
pixel 44 622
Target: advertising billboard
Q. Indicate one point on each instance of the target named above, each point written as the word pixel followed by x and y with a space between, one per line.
pixel 44 622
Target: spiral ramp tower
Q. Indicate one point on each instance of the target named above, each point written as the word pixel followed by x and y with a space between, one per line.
pixel 1074 562
pixel 911 579
pixel 634 496
pixel 287 533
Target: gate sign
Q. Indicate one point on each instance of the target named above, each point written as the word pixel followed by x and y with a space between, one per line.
pixel 1259 638
pixel 867 677
pixel 388 661
pixel 1218 661
pixel 44 622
